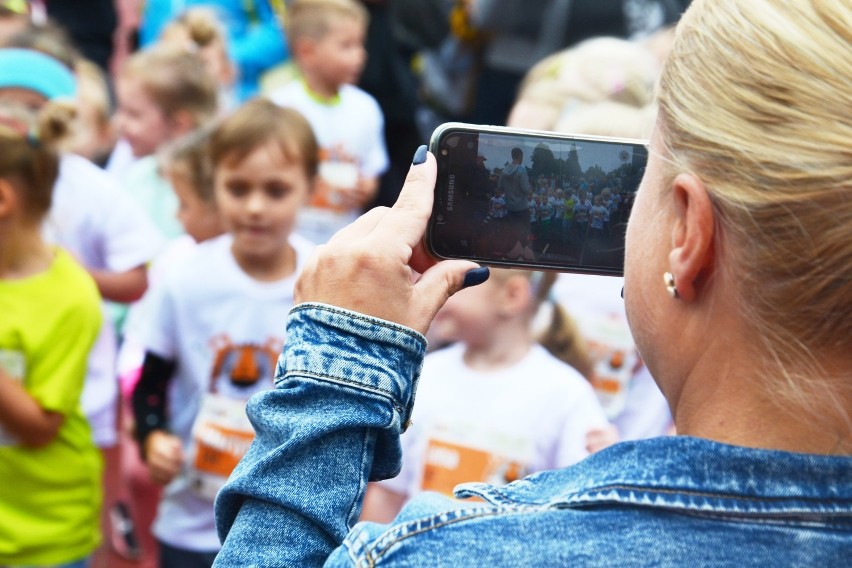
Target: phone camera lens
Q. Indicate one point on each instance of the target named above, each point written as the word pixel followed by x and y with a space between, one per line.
pixel 470 145
pixel 444 152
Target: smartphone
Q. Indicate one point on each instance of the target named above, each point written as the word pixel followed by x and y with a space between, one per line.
pixel 517 198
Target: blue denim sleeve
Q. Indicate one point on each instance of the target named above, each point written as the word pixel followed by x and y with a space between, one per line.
pixel 345 385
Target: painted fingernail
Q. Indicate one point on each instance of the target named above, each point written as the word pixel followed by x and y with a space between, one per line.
pixel 419 156
pixel 476 276
pixel 622 292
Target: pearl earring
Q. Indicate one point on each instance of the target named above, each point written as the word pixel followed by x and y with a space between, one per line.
pixel 668 280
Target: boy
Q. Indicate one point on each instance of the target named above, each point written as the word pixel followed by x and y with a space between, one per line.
pixel 214 331
pixel 327 43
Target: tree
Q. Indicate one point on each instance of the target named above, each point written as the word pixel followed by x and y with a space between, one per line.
pixel 543 161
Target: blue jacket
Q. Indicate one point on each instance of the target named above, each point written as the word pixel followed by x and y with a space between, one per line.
pixel 345 388
pixel 255 38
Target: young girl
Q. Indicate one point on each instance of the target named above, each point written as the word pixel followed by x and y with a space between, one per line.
pixel 497 405
pixel 96 222
pixel 163 93
pixel 215 332
pixel 598 217
pixel 199 30
pixel 50 469
pixel 186 165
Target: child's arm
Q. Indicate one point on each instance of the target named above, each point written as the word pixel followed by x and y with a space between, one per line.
pixel 124 287
pixel 22 416
pixel 161 450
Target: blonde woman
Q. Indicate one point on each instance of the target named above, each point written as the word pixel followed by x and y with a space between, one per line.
pixel 737 290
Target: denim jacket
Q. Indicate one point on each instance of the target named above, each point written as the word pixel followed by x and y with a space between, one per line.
pixel 345 389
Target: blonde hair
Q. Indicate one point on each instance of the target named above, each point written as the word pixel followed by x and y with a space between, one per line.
pixel 50 39
pixel 560 337
pixel 201 31
pixel 313 18
pixel 258 122
pixel 607 118
pixel 604 69
pixel 188 158
pixel 201 25
pixel 28 153
pixel 756 100
pixel 176 80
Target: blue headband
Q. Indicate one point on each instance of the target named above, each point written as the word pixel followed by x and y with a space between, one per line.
pixel 32 70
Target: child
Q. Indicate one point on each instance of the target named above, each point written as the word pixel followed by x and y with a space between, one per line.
pixel 496 406
pixel 601 87
pixel 254 29
pixel 215 332
pixel 199 30
pixel 89 217
pixel 163 93
pixel 50 469
pixel 186 165
pixel 327 43
pixel 582 209
pixel 97 223
pixel 598 217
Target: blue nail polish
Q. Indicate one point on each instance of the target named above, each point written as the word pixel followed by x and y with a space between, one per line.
pixel 622 292
pixel 419 156
pixel 476 276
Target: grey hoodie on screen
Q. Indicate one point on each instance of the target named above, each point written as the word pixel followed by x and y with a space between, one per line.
pixel 515 184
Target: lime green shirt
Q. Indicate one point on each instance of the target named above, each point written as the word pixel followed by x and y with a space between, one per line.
pixel 50 497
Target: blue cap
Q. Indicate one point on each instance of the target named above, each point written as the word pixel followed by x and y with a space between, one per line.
pixel 35 71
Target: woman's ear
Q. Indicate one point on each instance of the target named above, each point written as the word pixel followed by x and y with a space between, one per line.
pixel 693 235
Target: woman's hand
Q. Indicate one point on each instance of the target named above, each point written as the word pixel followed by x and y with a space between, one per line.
pixel 378 266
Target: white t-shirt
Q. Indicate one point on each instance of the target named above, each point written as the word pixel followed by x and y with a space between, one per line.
pixel 216 322
pixel 131 354
pixel 120 160
pixel 354 123
pixel 496 426
pixel 100 225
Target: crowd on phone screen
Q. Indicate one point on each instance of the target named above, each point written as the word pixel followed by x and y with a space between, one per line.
pixel 194 176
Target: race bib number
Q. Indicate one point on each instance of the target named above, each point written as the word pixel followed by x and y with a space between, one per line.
pixel 448 465
pixel 221 436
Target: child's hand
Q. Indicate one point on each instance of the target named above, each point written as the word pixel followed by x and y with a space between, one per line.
pixel 599 438
pixel 164 456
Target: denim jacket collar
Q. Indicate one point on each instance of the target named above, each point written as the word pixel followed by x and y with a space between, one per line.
pixel 691 474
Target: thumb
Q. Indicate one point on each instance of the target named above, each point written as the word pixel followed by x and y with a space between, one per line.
pixel 441 281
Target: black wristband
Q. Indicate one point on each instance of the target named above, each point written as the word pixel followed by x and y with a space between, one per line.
pixel 149 397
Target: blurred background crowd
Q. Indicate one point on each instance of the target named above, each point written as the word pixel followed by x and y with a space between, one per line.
pixel 160 100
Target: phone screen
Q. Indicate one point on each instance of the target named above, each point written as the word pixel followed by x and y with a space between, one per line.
pixel 528 199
